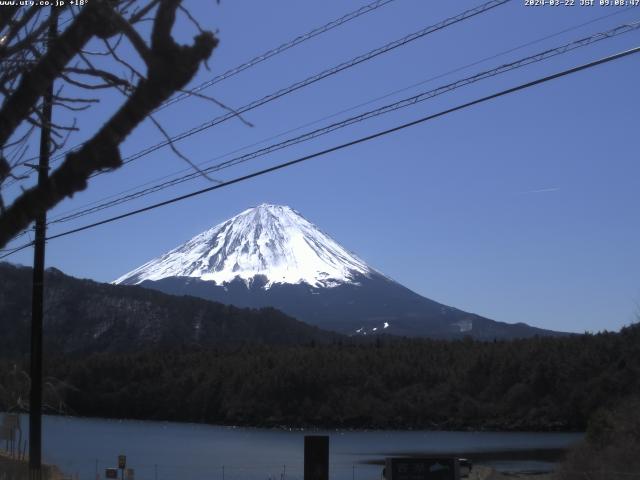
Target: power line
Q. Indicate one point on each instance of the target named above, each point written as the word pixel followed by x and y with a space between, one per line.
pixel 351 143
pixel 317 77
pixel 531 59
pixel 430 79
pixel 11 251
pixel 275 51
pixel 311 80
pixel 326 73
pixel 260 58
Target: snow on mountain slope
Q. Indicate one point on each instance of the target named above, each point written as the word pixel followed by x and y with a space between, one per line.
pixel 270 240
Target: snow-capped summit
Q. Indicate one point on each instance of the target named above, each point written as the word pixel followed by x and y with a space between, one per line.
pixel 273 241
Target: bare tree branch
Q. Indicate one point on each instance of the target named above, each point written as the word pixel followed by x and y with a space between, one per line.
pixel 34 82
pixel 220 104
pixel 114 54
pixel 6 14
pixel 108 77
pixel 180 154
pixel 137 16
pixel 170 67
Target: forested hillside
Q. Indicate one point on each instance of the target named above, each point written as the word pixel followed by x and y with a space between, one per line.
pixel 538 384
pixel 87 316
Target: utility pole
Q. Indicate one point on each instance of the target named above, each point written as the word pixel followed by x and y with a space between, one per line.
pixel 35 398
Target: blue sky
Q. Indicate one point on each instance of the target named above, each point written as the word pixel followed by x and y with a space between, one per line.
pixel 523 209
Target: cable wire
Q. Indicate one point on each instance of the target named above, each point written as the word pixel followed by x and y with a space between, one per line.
pixel 260 58
pixel 273 137
pixel 351 143
pixel 317 77
pixel 531 59
pixel 309 80
pixel 275 51
pixel 11 251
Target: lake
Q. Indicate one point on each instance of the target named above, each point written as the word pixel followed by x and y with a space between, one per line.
pixel 165 450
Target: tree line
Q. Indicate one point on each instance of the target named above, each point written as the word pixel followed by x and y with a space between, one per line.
pixel 532 384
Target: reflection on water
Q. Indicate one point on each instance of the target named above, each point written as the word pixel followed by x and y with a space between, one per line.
pixel 163 451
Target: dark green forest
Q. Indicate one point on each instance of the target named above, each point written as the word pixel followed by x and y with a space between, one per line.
pixel 533 384
pixel 83 316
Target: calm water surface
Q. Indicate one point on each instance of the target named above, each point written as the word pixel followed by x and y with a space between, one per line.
pixel 167 451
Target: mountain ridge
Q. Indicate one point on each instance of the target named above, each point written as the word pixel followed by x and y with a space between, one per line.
pixel 270 255
pixel 373 306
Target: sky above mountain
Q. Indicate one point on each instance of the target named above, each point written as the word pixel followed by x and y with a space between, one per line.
pixel 523 209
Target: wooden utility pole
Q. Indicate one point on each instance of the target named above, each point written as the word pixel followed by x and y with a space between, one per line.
pixel 35 398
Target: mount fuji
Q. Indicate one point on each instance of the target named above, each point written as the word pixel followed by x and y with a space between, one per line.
pixel 270 255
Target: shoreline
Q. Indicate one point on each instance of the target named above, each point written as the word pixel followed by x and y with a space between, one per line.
pixel 484 472
pixel 327 428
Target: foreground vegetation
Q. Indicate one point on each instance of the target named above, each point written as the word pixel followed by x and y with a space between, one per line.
pixel 611 448
pixel 18 469
pixel 534 384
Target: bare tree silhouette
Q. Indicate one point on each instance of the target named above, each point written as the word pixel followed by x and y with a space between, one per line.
pixel 29 65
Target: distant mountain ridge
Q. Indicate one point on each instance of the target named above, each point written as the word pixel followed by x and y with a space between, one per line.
pixel 86 316
pixel 270 255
